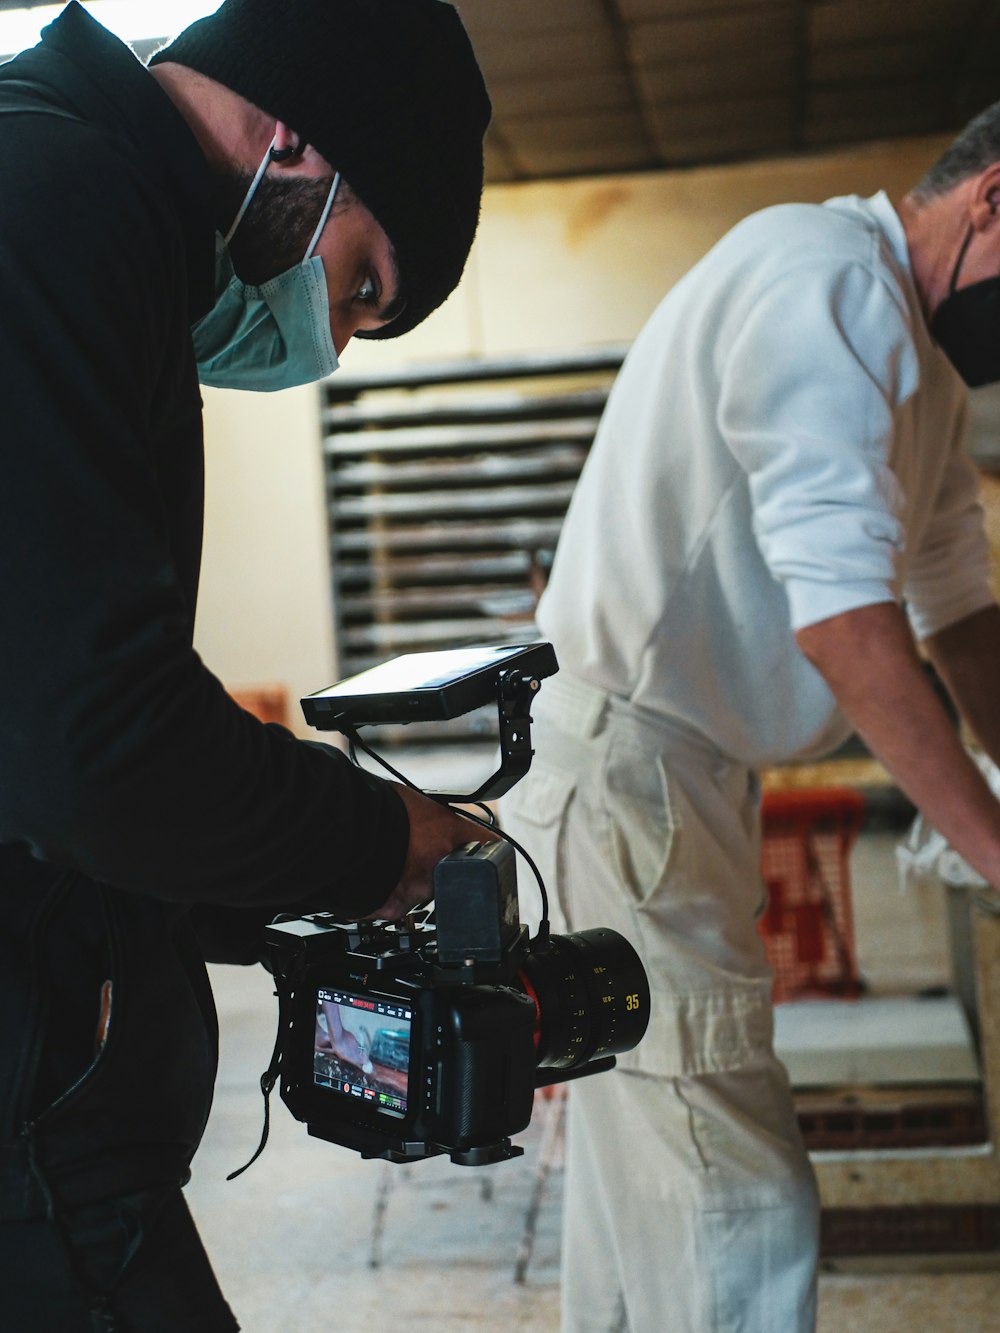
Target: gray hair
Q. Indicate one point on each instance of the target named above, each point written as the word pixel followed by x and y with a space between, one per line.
pixel 975 149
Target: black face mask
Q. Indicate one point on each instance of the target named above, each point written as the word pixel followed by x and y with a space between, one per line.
pixel 966 326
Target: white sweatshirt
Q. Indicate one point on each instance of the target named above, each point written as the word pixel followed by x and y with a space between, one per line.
pixel 784 443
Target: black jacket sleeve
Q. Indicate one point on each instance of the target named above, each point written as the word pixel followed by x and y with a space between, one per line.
pixel 122 756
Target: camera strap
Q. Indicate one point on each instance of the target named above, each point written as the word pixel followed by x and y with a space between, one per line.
pixel 269 1077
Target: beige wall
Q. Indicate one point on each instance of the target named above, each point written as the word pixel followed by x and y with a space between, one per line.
pixel 556 265
pixel 264 608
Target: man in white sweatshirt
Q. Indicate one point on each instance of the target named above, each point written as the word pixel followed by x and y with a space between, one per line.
pixel 775 513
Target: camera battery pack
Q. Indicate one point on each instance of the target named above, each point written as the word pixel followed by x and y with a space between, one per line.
pixel 475 895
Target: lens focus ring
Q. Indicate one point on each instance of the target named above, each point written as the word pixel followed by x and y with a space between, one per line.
pixel 592 997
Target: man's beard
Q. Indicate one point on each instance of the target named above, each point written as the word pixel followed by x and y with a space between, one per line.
pixel 277 227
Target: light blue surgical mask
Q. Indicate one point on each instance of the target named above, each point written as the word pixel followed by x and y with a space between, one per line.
pixel 274 336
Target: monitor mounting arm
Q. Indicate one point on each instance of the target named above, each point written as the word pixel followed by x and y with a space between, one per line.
pixel 515 690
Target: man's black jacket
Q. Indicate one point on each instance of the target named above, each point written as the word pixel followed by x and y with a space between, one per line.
pixel 135 796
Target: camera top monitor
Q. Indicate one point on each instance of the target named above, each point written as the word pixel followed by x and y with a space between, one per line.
pixel 425 687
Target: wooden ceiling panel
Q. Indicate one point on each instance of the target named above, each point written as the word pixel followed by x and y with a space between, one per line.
pixel 859 100
pixel 635 11
pixel 736 140
pixel 847 115
pixel 582 159
pixel 596 128
pixel 579 52
pixel 685 134
pixel 714 36
pixel 774 72
pixel 512 20
pixel 980 62
pixel 607 89
pixel 773 115
pixel 971 97
pixel 586 143
pixel 845 130
pixel 912 58
pixel 590 85
pixel 838 21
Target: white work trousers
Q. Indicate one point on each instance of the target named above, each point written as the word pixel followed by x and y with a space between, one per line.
pixel 690 1203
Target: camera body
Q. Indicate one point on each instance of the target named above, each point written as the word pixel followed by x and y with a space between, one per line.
pixel 445 1051
pixel 407 1040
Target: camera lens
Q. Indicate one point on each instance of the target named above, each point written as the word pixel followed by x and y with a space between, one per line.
pixel 591 997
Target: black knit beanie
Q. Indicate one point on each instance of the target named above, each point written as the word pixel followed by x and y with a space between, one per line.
pixel 389 92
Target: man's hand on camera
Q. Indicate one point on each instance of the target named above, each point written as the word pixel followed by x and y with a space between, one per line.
pixel 435 830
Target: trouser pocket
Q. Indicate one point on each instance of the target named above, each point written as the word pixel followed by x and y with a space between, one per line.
pixel 642 819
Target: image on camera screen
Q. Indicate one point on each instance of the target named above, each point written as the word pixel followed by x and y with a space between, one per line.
pixel 362 1049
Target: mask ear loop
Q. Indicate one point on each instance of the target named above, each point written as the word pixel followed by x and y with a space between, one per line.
pixel 961 256
pixel 265 163
pixel 324 215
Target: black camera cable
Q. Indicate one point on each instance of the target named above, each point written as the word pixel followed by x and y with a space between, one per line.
pixel 487 821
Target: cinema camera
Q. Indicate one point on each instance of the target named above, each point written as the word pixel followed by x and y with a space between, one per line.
pixel 407 1040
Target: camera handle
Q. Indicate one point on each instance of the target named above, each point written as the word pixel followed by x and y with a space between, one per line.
pixel 514 694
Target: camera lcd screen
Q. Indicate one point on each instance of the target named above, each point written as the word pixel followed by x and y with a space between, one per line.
pixel 424 687
pixel 362 1049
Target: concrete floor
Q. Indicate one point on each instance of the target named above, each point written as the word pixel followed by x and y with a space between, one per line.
pixel 292 1238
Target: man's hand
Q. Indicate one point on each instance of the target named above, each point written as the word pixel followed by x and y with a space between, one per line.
pixel 435 830
pixel 870 661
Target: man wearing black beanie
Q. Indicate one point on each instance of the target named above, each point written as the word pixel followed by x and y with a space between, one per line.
pixel 287 174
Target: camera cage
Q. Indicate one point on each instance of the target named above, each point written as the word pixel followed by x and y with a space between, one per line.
pixel 452 974
pixel 385 966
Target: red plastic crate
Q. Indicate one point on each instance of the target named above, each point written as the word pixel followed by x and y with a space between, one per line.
pixel 808 927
